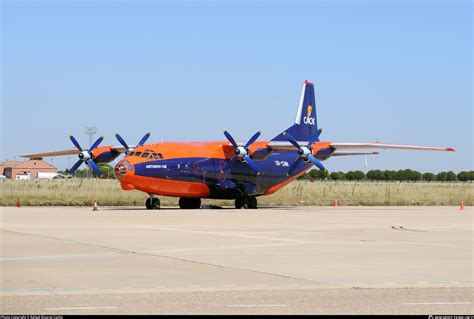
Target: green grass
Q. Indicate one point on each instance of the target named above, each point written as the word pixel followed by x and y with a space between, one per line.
pixel 83 192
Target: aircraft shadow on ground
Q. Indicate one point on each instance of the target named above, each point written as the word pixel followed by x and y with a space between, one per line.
pixel 205 207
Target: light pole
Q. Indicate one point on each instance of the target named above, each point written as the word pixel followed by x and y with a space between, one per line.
pixel 91 131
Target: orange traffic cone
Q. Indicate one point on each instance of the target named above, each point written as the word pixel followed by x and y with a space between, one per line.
pixel 461 206
pixel 335 203
pixel 17 203
pixel 95 207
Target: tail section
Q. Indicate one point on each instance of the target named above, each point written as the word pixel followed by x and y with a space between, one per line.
pixel 306 123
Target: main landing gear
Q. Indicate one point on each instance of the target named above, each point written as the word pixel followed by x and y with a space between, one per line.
pixel 152 203
pixel 189 203
pixel 246 202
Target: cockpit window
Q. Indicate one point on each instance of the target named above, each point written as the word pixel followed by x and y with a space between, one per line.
pixel 131 153
pixel 138 153
pixel 157 156
pixel 145 155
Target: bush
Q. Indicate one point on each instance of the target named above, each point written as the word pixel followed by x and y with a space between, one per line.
pixel 389 175
pixel 375 175
pixel 355 176
pixel 465 176
pixel 451 176
pixel 442 177
pixel 337 176
pixel 429 177
pixel 318 174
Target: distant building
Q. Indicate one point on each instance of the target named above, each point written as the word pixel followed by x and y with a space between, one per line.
pixel 29 169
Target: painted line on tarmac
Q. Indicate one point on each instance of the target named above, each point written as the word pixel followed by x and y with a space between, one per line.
pixel 438 303
pixel 257 305
pixel 79 308
pixel 54 257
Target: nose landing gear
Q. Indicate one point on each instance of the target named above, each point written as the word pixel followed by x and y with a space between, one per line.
pixel 152 203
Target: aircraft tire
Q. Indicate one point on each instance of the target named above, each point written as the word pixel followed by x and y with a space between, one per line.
pixel 195 203
pixel 242 202
pixel 252 202
pixel 148 203
pixel 183 203
pixel 155 203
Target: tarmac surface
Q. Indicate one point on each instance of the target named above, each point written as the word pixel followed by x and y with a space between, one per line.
pixel 305 260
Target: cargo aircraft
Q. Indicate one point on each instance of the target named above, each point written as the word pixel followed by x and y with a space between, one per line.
pixel 224 169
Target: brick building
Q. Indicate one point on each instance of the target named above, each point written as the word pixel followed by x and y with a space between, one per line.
pixel 25 170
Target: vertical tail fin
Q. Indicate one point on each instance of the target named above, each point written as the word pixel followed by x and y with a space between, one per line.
pixel 306 123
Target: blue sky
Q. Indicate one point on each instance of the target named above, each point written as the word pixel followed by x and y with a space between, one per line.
pixel 392 71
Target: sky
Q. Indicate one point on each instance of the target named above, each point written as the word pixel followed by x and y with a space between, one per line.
pixel 390 71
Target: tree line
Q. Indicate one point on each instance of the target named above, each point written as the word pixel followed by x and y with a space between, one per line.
pixel 389 175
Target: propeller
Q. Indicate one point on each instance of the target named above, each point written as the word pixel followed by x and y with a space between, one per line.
pixel 305 153
pixel 241 152
pixel 129 149
pixel 85 155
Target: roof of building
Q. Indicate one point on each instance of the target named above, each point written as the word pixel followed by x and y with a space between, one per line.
pixel 29 164
pixel 8 163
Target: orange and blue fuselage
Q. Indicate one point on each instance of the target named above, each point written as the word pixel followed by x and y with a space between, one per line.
pixel 196 169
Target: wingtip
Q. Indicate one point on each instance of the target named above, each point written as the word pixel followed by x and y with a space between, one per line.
pixel 450 149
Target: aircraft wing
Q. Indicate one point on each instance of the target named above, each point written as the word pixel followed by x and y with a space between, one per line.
pixel 48 154
pixel 104 153
pixel 377 145
pixel 337 153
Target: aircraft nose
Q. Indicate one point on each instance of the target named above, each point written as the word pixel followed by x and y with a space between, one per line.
pixel 121 169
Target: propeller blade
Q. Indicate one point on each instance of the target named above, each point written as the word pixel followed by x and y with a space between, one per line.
pixel 94 167
pixel 294 165
pixel 96 143
pixel 291 140
pixel 315 138
pixel 316 162
pixel 251 163
pixel 144 138
pixel 229 164
pixel 75 166
pixel 231 139
pixel 253 139
pixel 122 141
pixel 75 142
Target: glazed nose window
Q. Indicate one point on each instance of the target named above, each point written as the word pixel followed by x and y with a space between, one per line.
pixel 121 169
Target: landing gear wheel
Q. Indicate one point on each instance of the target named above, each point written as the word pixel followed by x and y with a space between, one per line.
pixel 242 202
pixel 189 203
pixel 252 202
pixel 155 203
pixel 148 203
pixel 152 203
